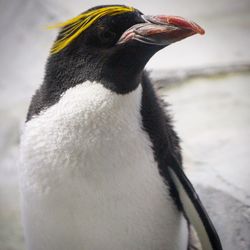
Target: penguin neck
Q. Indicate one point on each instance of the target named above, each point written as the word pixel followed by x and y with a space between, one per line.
pixel 119 70
pixel 122 71
pixel 118 76
pixel 121 80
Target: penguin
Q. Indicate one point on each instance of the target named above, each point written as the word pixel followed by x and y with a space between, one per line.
pixel 100 162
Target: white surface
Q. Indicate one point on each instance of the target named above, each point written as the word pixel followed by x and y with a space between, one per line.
pixel 213 120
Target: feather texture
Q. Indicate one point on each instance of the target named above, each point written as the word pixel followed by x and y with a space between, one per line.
pixel 75 26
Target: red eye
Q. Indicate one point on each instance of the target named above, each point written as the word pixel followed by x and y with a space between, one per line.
pixel 107 36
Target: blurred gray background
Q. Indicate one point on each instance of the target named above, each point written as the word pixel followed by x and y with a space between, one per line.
pixel 206 80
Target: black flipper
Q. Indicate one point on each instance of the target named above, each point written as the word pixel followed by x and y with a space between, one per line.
pixel 194 210
pixel 157 123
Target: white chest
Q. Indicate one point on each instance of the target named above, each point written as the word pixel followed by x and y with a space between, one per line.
pixel 89 179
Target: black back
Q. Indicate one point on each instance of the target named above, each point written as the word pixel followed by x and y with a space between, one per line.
pixel 157 123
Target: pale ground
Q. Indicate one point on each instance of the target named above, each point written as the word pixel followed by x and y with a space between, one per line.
pixel 211 115
pixel 213 120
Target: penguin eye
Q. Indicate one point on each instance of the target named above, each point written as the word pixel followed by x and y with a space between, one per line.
pixel 107 36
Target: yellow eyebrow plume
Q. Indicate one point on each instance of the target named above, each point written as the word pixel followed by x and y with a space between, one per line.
pixel 75 26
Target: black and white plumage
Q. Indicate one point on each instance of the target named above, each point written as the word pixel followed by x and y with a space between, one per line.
pixel 98 152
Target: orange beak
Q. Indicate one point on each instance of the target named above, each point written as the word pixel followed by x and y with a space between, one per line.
pixel 161 30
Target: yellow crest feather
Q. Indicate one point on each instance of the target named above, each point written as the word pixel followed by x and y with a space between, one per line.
pixel 78 24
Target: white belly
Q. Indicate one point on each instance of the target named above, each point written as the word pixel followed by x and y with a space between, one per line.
pixel 89 180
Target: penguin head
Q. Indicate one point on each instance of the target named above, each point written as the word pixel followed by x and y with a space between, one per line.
pixel 112 44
